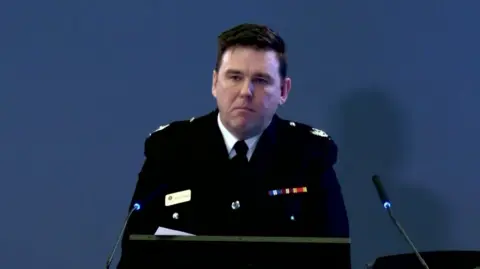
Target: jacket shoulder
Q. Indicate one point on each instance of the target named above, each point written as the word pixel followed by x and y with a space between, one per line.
pixel 306 131
pixel 172 129
pixel 170 134
pixel 315 140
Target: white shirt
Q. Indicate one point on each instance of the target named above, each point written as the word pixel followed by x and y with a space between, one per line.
pixel 230 140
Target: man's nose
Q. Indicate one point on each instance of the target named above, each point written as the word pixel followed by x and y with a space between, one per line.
pixel 247 88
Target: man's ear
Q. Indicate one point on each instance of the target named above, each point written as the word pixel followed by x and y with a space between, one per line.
pixel 214 83
pixel 285 90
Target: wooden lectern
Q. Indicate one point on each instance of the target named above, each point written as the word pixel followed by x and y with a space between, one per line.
pixel 149 251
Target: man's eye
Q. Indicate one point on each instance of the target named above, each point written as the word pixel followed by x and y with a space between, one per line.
pixel 260 81
pixel 235 78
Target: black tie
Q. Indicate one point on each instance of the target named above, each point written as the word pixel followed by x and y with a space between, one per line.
pixel 241 149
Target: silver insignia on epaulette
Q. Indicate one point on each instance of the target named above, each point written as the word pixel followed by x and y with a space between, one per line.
pixel 192 119
pixel 292 123
pixel 318 132
pixel 161 128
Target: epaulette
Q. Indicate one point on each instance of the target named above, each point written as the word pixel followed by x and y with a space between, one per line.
pixel 316 140
pixel 173 126
pixel 307 130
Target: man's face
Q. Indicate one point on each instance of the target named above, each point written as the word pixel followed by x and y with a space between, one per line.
pixel 248 89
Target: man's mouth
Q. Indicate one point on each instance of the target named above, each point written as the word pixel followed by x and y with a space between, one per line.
pixel 245 109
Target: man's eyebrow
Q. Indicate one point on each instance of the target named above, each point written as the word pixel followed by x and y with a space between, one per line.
pixel 262 75
pixel 233 72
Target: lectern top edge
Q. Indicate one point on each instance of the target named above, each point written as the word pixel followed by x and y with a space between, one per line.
pixel 258 239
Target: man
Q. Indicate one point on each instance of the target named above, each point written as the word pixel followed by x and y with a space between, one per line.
pixel 241 169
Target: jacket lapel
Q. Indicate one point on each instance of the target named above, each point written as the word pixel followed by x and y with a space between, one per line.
pixel 266 145
pixel 211 143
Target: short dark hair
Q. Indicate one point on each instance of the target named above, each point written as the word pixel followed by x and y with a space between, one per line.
pixel 256 36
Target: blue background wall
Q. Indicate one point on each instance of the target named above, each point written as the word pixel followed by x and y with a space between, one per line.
pixel 83 82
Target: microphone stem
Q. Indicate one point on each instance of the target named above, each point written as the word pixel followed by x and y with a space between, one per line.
pixel 402 231
pixel 119 239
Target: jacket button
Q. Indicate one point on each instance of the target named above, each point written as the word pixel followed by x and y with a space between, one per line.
pixel 235 205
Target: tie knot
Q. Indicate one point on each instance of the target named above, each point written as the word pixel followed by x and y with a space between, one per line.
pixel 241 148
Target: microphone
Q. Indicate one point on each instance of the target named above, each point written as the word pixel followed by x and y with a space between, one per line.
pixel 388 206
pixel 135 207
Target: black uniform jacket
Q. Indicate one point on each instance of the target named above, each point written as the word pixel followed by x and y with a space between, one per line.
pixel 290 190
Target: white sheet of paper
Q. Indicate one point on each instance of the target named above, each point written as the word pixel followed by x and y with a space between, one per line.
pixel 169 232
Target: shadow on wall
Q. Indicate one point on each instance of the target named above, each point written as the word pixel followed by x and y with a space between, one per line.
pixel 373 134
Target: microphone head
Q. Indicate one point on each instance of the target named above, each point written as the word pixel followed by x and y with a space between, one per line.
pixel 381 192
pixel 136 206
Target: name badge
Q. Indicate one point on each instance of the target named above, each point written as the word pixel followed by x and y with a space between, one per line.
pixel 178 197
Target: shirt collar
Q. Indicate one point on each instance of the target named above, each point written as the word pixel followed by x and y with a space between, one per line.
pixel 230 139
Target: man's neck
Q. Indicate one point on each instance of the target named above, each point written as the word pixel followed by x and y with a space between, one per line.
pixel 255 132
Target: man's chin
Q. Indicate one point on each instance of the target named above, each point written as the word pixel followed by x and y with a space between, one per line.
pixel 240 122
